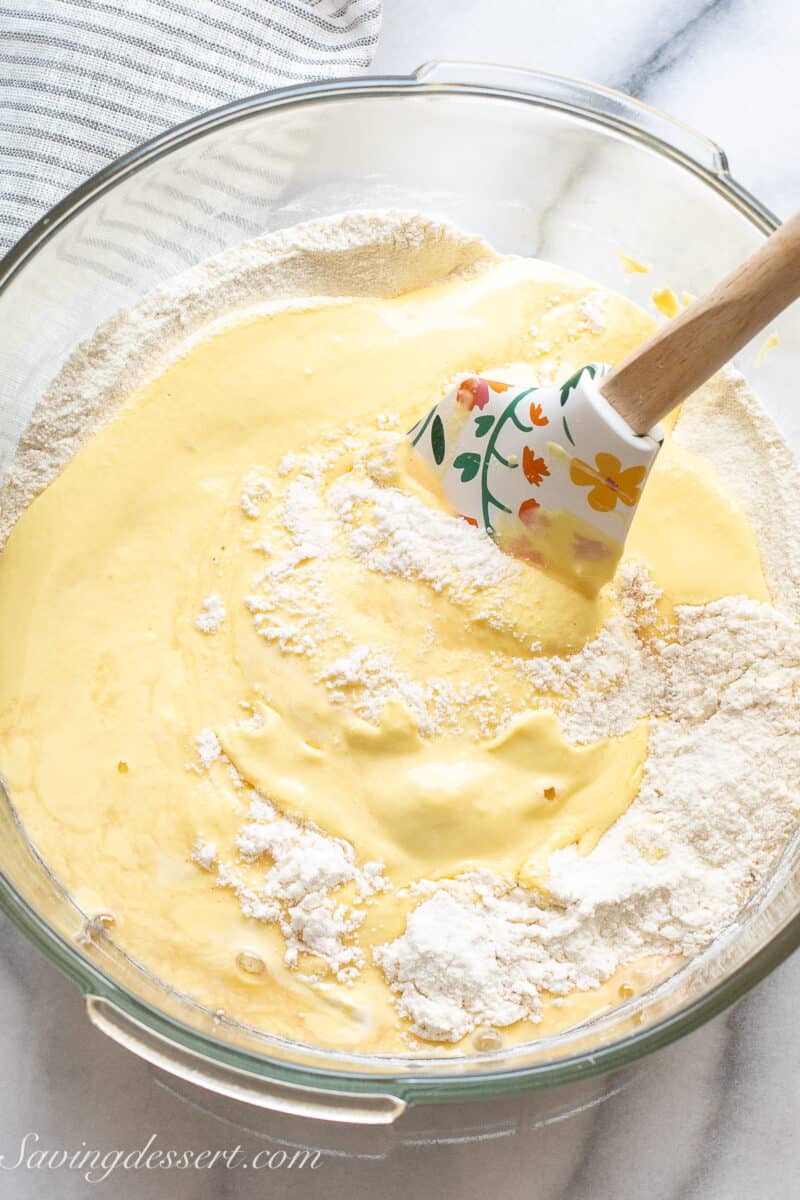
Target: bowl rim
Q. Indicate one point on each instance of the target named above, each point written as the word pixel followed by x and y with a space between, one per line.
pixel 633 120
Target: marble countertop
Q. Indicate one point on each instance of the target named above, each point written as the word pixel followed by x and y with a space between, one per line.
pixel 713 1117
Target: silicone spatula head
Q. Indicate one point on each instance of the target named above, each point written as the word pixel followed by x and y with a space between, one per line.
pixel 554 474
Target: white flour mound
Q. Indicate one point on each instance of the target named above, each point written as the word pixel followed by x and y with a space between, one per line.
pixel 726 423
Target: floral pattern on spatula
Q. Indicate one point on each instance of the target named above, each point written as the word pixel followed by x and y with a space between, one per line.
pixel 550 471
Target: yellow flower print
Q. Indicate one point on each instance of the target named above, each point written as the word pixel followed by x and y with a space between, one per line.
pixel 608 482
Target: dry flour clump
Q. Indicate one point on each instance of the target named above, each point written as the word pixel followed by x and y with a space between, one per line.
pixel 299 889
pixel 404 537
pixel 208 749
pixel 256 489
pixel 289 605
pixel 613 681
pixel 212 614
pixel 593 310
pixel 367 679
pixel 204 853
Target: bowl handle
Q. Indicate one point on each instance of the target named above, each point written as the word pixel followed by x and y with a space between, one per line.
pixel 357 1108
pixel 592 100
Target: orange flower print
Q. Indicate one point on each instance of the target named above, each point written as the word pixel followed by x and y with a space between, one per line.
pixel 608 482
pixel 537 416
pixel 533 468
pixel 469 520
pixel 533 516
pixel 474 392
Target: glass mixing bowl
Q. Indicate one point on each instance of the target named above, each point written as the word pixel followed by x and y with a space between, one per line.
pixel 540 165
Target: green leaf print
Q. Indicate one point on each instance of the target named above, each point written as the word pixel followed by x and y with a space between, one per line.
pixel 483 424
pixel 468 465
pixel 437 440
pixel 573 381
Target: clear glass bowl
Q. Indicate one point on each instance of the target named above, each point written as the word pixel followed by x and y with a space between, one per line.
pixel 540 165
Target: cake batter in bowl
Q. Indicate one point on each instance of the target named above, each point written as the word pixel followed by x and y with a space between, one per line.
pixel 563 149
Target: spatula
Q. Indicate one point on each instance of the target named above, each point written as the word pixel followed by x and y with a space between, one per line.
pixel 555 473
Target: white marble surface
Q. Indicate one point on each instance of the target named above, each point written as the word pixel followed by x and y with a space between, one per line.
pixel 713 1117
pixel 726 67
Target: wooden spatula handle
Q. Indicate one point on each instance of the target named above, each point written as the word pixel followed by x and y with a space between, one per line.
pixel 687 351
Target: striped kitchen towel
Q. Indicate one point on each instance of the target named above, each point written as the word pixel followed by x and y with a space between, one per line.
pixel 83 81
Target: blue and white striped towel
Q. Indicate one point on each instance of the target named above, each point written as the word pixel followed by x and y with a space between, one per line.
pixel 82 81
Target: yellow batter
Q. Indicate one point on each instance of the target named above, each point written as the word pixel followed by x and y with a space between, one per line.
pixel 106 680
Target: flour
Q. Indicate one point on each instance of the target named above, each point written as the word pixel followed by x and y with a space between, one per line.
pixel 204 853
pixel 254 491
pixel 208 748
pixel 406 538
pixel 212 614
pixel 298 891
pixel 367 679
pixel 453 970
pixel 726 423
pixel 717 802
pixel 593 310
pixel 304 516
pixel 288 604
pixel 613 681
